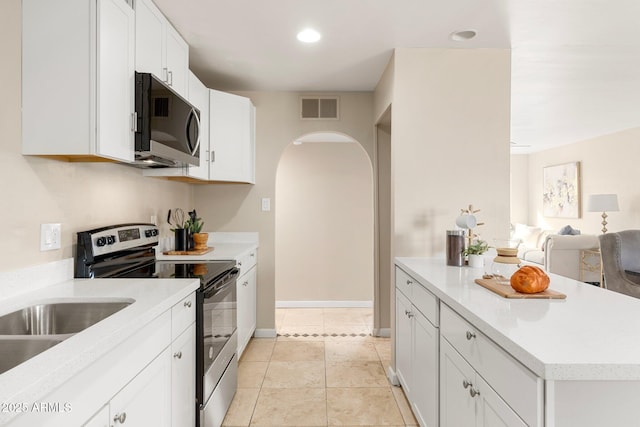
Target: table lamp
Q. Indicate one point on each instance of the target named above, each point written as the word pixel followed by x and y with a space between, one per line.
pixel 603 203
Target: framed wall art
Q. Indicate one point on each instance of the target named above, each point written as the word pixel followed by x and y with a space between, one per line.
pixel 561 191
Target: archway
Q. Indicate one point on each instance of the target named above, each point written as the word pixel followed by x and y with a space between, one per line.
pixel 324 234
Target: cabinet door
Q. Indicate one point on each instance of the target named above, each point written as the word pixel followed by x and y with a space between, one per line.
pixel 100 419
pixel 150 39
pixel 199 97
pixel 492 410
pixel 457 406
pixel 230 136
pixel 116 68
pixel 425 371
pixel 177 61
pixel 404 343
pixel 146 400
pixel 183 378
pixel 246 308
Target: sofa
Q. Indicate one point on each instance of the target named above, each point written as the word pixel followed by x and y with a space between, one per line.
pixel 555 253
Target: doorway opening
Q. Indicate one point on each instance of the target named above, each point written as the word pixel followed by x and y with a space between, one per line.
pixel 324 234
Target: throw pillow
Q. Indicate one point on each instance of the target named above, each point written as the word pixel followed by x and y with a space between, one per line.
pixel 567 230
pixel 527 235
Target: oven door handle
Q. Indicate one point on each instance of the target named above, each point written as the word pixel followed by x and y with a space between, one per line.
pixel 222 285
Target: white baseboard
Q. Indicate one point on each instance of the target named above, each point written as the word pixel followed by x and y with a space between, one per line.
pixel 382 332
pixel 393 377
pixel 265 333
pixel 324 304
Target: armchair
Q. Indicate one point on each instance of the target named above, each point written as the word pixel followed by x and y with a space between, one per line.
pixel 621 252
pixel 562 254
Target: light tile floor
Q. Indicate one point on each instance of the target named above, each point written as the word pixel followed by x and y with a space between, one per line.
pixel 323 369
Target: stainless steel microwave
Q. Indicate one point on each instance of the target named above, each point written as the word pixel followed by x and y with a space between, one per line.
pixel 167 129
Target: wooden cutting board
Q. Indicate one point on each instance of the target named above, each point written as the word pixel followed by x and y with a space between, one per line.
pixel 191 252
pixel 508 292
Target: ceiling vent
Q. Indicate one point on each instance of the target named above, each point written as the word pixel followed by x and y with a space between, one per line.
pixel 319 108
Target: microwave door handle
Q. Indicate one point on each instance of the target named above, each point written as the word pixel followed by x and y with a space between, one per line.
pixel 192 115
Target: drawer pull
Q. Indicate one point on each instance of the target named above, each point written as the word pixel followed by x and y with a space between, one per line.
pixel 245 283
pixel 120 418
pixel 178 355
pixel 466 384
pixel 252 254
pixel 470 335
pixel 187 304
pixel 473 392
pixel 239 263
pixel 409 282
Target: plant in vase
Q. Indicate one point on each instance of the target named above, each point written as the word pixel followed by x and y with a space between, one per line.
pixel 474 253
pixel 194 225
pixel 179 228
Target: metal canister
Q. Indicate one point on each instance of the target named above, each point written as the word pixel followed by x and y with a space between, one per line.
pixel 455 248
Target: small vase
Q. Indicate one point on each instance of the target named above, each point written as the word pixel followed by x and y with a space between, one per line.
pixel 476 261
pixel 181 239
pixel 200 240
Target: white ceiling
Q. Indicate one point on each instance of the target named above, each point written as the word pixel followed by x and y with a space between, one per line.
pixel 575 63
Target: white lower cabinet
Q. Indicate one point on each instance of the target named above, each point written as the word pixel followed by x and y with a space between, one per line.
pixel 146 400
pixel 465 397
pixel 183 378
pixel 417 348
pixel 247 289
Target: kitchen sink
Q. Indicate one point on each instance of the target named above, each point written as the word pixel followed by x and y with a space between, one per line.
pixel 29 331
pixel 58 318
pixel 14 351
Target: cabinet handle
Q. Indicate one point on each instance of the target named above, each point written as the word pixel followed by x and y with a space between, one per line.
pixel 212 157
pixel 245 283
pixel 466 384
pixel 165 71
pixel 239 263
pixel 170 77
pixel 470 335
pixel 134 122
pixel 252 254
pixel 409 282
pixel 178 355
pixel 120 418
pixel 473 392
pixel 187 304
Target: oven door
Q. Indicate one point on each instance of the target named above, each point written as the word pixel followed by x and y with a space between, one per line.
pixel 217 340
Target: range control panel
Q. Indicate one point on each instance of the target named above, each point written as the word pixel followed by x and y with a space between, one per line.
pixel 117 238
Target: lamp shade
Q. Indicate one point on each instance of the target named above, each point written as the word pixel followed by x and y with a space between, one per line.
pixel 603 203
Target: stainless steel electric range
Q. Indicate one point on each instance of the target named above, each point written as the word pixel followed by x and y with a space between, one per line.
pixel 128 251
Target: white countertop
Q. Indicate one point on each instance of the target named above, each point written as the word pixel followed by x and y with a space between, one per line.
pixel 40 375
pixel 592 335
pixel 221 251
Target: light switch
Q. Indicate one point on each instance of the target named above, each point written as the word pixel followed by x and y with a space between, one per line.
pixel 50 236
pixel 266 204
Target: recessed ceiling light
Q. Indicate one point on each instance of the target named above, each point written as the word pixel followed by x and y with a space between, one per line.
pixel 309 35
pixel 461 36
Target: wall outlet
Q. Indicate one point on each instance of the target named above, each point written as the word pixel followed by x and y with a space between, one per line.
pixel 266 204
pixel 50 236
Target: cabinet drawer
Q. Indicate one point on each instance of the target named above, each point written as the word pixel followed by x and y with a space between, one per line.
pixel 247 260
pixel 518 386
pixel 426 302
pixel 183 314
pixel 403 282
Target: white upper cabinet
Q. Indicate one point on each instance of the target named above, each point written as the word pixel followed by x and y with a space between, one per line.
pixel 78 79
pixel 232 138
pixel 160 50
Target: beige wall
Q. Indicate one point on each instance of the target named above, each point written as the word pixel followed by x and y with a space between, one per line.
pixel 450 144
pixel 520 181
pixel 236 207
pixel 79 196
pixel 609 164
pixel 324 223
